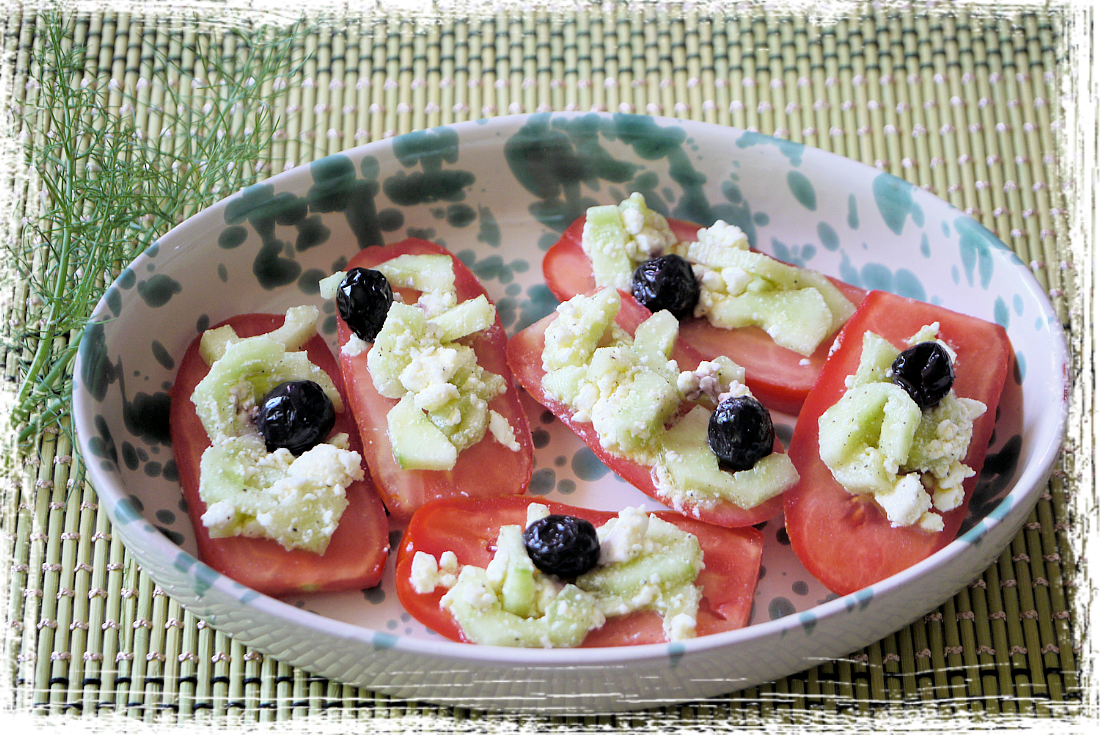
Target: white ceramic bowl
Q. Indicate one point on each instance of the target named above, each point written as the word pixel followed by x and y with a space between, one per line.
pixel 497 192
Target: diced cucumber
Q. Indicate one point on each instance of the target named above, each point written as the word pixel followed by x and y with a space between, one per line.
pixel 330 285
pixel 564 383
pixel 468 317
pixel 518 590
pixel 416 442
pixel 839 305
pixel 389 356
pixel 420 272
pixel 871 426
pixel 214 342
pixel 675 562
pixel 875 360
pixel 299 326
pixel 604 240
pixel 798 320
pixel 689 466
pixel 654 339
pixel 636 411
pixel 473 420
pixel 567 621
pixel 572 337
pixel 249 492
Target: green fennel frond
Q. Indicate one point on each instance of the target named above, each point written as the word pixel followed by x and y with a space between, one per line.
pixel 111 166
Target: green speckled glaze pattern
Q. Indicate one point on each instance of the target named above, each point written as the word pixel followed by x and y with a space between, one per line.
pixel 498 193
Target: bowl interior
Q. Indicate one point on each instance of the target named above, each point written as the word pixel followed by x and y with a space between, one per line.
pixel 498 193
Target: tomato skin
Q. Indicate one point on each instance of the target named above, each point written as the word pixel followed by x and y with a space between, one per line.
pixel 844 540
pixel 525 357
pixel 469 528
pixel 774 374
pixel 356 555
pixel 403 491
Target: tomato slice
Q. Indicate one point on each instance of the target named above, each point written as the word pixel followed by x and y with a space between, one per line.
pixel 845 540
pixel 778 377
pixel 525 356
pixel 486 469
pixel 356 555
pixel 469 528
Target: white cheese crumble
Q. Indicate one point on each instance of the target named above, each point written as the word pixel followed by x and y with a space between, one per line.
pixel 502 431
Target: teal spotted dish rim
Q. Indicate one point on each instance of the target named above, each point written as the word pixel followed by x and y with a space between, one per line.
pixel 498 192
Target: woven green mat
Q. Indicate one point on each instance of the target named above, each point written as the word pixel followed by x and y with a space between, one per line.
pixel 964 104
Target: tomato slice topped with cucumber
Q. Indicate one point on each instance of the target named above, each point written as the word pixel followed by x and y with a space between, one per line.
pixel 846 540
pixel 485 469
pixel 356 555
pixel 779 377
pixel 470 527
pixel 525 355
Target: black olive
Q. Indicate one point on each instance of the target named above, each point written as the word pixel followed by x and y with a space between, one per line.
pixel 565 546
pixel 668 283
pixel 364 298
pixel 925 372
pixel 740 433
pixel 296 415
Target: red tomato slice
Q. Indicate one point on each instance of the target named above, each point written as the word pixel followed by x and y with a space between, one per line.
pixel 488 468
pixel 845 540
pixel 355 556
pixel 774 374
pixel 469 528
pixel 525 357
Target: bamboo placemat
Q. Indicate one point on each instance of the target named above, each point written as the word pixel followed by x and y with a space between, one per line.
pixel 964 103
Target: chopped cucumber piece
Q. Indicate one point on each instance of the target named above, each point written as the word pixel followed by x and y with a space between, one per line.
pixel 798 320
pixel 468 317
pixel 635 412
pixel 580 325
pixel 518 590
pixel 299 326
pixel 875 360
pixel 568 618
pixel 867 435
pixel 390 354
pixel 416 442
pixel 604 240
pixel 420 272
pixel 653 342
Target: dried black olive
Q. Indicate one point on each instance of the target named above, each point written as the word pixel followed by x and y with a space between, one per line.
pixel 296 415
pixel 363 299
pixel 925 372
pixel 668 283
pixel 565 546
pixel 740 433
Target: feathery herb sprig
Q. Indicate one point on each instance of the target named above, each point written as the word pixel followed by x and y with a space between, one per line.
pixel 107 188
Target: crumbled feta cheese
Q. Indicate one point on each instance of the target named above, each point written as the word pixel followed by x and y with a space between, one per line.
pixel 622 538
pixel 907 502
pixel 502 431
pixel 723 234
pixel 354 346
pixel 536 512
pixel 426 574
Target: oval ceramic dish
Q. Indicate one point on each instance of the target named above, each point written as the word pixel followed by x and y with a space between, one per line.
pixel 497 193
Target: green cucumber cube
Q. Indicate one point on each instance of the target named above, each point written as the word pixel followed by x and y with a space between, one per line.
pixel 416 442
pixel 468 317
pixel 798 320
pixel 604 240
pixel 420 272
